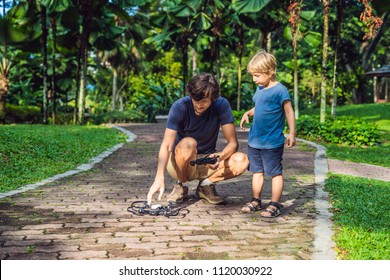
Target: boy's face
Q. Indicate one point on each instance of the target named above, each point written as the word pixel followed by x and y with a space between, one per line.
pixel 202 105
pixel 261 79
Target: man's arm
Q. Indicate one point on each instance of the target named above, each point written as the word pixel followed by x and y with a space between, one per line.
pixel 163 157
pixel 288 110
pixel 229 132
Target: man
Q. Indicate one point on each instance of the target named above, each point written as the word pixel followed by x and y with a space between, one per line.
pixel 191 132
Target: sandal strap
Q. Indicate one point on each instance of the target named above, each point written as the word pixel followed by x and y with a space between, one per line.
pixel 251 207
pixel 276 204
pixel 271 211
pixel 256 200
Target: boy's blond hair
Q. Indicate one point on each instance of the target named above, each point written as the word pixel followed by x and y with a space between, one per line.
pixel 263 62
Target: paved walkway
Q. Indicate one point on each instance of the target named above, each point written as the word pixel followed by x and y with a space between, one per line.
pixel 85 216
pixel 359 169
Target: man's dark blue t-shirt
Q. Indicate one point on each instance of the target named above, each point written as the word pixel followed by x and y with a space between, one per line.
pixel 204 128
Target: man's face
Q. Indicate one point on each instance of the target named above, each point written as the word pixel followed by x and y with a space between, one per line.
pixel 202 105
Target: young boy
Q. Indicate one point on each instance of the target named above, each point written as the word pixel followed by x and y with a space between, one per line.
pixel 266 139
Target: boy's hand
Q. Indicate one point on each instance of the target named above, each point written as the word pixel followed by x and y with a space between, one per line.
pixel 244 119
pixel 290 140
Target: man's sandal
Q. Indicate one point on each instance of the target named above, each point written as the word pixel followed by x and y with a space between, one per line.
pixel 273 209
pixel 253 206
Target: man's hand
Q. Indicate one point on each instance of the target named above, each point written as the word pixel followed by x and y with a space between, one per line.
pixel 156 187
pixel 215 165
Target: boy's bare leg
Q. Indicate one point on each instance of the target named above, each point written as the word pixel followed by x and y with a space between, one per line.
pixel 257 184
pixel 277 188
pixel 232 167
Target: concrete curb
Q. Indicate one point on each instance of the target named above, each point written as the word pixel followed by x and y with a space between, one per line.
pixel 323 232
pixel 80 168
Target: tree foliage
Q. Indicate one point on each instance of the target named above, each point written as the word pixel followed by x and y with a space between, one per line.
pixel 106 56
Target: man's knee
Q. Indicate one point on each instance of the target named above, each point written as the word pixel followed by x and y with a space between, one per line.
pixel 186 146
pixel 238 163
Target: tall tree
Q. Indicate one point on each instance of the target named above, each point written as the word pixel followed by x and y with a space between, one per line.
pixel 179 28
pixel 339 19
pixel 45 63
pixel 86 14
pixel 376 27
pixel 325 5
pixel 295 10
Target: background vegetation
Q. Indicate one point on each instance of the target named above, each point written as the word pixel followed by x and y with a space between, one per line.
pixel 77 60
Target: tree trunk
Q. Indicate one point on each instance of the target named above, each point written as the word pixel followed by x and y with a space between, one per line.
pixel 360 94
pixel 114 88
pixel 86 21
pixel 53 77
pixel 44 66
pixel 240 46
pixel 185 45
pixel 194 63
pixel 325 4
pixel 340 14
pixel 4 82
pixel 77 92
pixel 4 86
pixel 296 96
pixel 295 11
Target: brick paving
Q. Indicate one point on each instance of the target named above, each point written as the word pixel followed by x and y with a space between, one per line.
pixel 85 216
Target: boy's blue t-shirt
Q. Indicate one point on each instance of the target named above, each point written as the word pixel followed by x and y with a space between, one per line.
pixel 204 128
pixel 268 122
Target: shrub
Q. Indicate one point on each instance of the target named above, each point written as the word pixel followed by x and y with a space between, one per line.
pixel 340 130
pixel 22 114
pixel 117 117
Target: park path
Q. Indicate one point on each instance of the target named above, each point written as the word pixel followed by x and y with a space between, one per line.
pixel 359 169
pixel 85 216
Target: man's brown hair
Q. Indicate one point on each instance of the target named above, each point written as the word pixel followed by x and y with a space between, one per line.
pixel 202 86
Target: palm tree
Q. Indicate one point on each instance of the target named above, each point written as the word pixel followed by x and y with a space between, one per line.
pixel 179 27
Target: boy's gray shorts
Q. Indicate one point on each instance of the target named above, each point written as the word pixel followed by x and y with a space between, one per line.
pixel 267 161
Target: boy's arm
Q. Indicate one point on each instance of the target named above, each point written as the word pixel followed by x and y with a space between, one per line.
pixel 288 110
pixel 245 117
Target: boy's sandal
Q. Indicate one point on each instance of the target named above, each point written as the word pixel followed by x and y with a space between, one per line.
pixel 253 206
pixel 274 210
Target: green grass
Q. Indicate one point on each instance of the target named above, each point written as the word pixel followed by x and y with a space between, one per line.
pixel 31 153
pixel 361 213
pixel 378 114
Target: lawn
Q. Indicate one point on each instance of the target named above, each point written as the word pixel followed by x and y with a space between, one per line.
pixel 31 153
pixel 361 214
pixel 378 114
pixel 360 206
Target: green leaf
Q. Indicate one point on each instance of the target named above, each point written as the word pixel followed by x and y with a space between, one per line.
pixel 249 6
pixel 202 21
pixel 307 15
pixel 56 5
pixel 181 11
pixel 314 39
